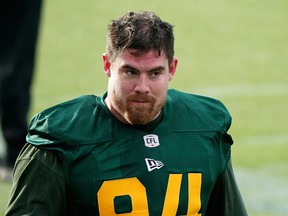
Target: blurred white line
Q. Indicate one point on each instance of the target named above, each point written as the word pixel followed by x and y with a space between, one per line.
pixel 245 90
pixel 264 139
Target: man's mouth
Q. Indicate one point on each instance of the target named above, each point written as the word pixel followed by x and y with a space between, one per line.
pixel 140 102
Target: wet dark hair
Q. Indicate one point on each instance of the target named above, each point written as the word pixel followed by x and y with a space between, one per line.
pixel 142 31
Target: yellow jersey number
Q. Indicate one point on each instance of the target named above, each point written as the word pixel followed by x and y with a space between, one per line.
pixel 133 187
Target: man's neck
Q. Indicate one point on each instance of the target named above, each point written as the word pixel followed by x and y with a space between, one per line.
pixel 114 112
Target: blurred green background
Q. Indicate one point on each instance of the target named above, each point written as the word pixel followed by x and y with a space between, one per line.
pixel 236 51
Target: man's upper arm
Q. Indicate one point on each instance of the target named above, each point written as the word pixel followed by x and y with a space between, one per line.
pixel 38 184
pixel 225 199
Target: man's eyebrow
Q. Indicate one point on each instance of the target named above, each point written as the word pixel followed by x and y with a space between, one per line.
pixel 159 68
pixel 127 66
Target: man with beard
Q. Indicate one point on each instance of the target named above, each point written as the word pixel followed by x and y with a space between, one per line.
pixel 140 149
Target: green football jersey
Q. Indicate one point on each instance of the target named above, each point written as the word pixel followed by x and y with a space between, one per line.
pixel 168 167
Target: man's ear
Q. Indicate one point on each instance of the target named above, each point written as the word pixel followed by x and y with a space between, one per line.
pixel 172 68
pixel 106 64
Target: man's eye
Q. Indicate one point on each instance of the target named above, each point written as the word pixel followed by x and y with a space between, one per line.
pixel 130 72
pixel 155 74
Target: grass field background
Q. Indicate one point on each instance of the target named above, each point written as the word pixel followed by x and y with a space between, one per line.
pixel 236 51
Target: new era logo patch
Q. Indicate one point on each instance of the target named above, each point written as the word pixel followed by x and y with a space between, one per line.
pixel 153 164
pixel 151 140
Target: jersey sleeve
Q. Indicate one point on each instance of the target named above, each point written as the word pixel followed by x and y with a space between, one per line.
pixel 38 184
pixel 226 199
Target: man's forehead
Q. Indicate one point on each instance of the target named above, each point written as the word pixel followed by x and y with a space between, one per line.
pixel 139 52
pixel 144 61
pixel 130 53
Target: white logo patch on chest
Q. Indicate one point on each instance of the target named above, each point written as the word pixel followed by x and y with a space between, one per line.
pixel 153 164
pixel 151 140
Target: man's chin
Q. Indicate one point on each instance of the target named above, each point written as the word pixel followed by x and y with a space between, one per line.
pixel 137 121
pixel 139 118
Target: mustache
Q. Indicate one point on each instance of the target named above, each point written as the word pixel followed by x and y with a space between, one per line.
pixel 141 97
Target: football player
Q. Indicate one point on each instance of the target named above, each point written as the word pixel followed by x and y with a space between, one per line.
pixel 139 149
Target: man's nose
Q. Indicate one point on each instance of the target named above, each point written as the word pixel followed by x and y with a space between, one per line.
pixel 142 85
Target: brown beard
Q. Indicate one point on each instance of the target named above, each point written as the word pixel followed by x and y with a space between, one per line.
pixel 138 115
